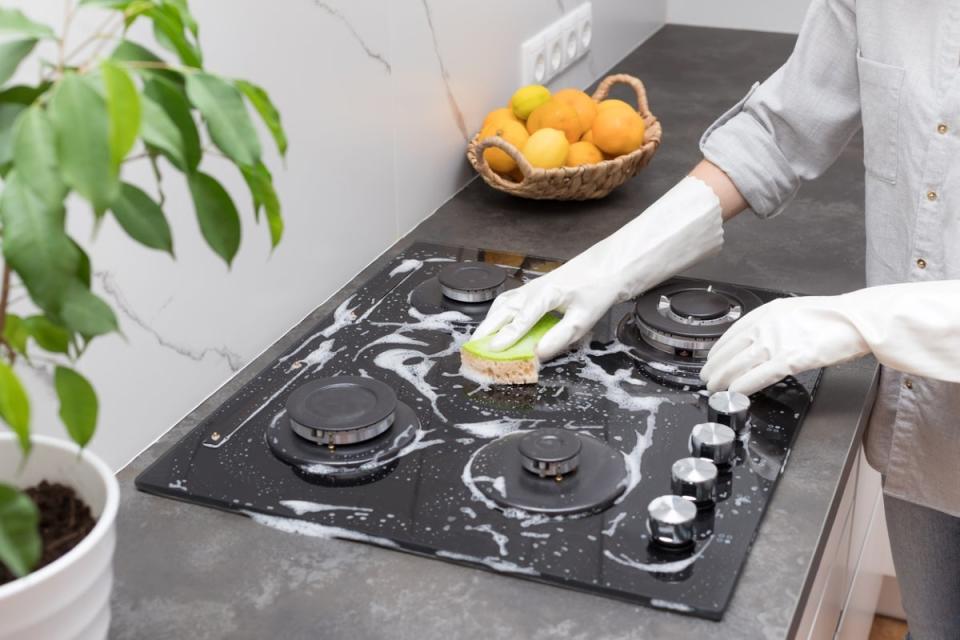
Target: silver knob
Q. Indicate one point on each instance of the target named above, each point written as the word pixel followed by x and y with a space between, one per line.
pixel 670 520
pixel 729 408
pixel 694 479
pixel 713 441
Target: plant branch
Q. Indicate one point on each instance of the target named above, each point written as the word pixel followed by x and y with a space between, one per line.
pixel 68 11
pixel 159 176
pixel 97 34
pixel 4 297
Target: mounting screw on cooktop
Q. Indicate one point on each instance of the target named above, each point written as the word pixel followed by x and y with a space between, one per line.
pixel 730 408
pixel 694 479
pixel 713 441
pixel 550 452
pixel 670 521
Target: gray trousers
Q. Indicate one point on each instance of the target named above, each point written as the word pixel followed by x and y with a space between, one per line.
pixel 926 555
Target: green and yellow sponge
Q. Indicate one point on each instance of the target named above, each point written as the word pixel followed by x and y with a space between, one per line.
pixel 516 365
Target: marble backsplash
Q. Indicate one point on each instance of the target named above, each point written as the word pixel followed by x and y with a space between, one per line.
pixel 379 98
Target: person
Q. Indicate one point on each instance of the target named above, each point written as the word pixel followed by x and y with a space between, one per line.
pixel 893 70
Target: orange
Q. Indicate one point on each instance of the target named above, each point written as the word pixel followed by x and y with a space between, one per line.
pixel 510 130
pixel 617 131
pixel 583 153
pixel 613 103
pixel 588 136
pixel 585 106
pixel 555 114
pixel 503 113
pixel 546 148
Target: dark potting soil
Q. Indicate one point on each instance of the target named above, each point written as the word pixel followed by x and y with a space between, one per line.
pixel 65 520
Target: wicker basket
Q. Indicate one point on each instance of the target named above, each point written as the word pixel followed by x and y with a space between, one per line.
pixel 586 182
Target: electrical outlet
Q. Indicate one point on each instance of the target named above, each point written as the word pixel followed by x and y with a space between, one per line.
pixel 534 62
pixel 559 45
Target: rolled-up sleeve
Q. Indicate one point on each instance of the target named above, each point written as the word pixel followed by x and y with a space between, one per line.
pixel 793 126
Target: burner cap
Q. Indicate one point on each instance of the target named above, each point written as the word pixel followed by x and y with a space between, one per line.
pixel 341 410
pixel 472 281
pixel 502 475
pixel 550 452
pixel 700 305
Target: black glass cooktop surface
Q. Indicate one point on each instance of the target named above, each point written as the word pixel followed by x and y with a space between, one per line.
pixel 439 476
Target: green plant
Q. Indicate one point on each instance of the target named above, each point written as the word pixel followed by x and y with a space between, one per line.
pixel 98 106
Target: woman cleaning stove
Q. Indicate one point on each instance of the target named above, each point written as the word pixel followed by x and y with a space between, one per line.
pixel 895 71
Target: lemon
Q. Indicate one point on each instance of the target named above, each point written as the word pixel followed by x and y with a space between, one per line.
pixel 510 130
pixel 546 148
pixel 528 98
pixel 583 153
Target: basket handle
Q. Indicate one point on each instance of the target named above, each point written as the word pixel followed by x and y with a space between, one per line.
pixel 622 78
pixel 496 141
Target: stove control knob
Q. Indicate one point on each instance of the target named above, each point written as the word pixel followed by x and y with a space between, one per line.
pixel 713 441
pixel 670 521
pixel 729 408
pixel 694 479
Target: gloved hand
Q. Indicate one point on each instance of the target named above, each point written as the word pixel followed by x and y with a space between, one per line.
pixel 679 229
pixel 912 327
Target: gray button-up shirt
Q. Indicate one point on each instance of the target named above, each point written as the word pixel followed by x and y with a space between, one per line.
pixel 890 67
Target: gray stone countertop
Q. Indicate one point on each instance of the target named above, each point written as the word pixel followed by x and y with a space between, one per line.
pixel 183 571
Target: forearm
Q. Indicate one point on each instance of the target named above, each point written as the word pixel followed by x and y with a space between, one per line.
pixel 732 201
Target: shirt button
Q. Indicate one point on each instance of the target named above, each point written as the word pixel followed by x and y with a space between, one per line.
pixel 942 128
pixel 931 195
pixel 921 263
pixel 908 383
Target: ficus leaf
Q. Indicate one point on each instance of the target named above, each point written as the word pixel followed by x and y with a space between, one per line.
pixel 227 117
pixel 15 333
pixel 170 97
pixel 20 542
pixel 82 311
pixel 13 21
pixel 79 115
pixel 268 112
pixel 78 404
pixel 12 54
pixel 14 405
pixel 142 219
pixel 168 29
pixel 217 215
pixel 9 112
pixel 47 334
pixel 35 155
pixel 35 243
pixel 260 182
pixel 123 108
pixel 160 132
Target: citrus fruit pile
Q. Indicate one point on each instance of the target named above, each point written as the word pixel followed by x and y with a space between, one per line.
pixel 564 129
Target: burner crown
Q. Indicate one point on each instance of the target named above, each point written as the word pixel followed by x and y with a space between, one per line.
pixel 472 281
pixel 550 452
pixel 700 305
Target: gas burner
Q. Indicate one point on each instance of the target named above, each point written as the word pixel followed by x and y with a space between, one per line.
pixel 551 471
pixel 467 287
pixel 674 326
pixel 342 426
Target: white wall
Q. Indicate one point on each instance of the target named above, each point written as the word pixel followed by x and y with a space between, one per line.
pixel 760 15
pixel 372 93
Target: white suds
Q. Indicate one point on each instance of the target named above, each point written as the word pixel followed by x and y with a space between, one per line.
pixel 496 428
pixel 467 511
pixel 342 316
pixel 672 606
pixel 410 264
pixel 179 485
pixel 612 528
pixel 534 534
pixel 301 507
pixel 315 530
pixel 500 539
pixel 659 567
pixel 496 564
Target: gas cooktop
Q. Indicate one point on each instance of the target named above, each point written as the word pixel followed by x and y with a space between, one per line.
pixel 615 474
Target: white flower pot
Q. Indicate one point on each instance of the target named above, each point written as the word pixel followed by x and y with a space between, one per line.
pixel 69 598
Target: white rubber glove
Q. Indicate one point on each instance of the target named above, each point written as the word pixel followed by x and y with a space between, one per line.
pixel 912 327
pixel 682 227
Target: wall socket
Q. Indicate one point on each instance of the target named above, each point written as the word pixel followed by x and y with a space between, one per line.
pixel 559 45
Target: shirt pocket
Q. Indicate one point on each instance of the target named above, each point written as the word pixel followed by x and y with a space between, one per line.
pixel 880 87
